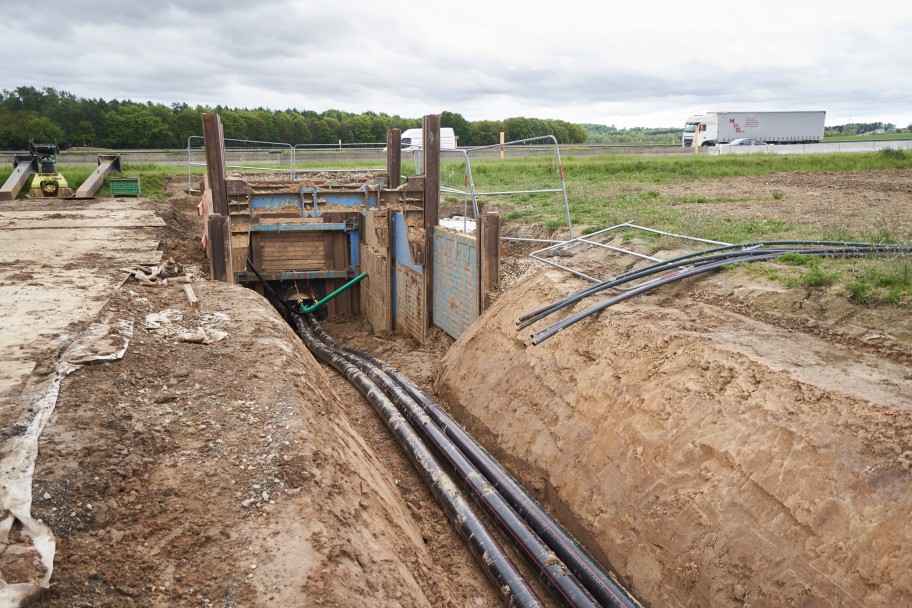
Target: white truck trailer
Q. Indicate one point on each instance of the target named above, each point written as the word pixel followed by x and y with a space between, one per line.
pixel 411 139
pixel 715 128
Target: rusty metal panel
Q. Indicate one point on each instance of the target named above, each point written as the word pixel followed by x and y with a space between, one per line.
pixel 410 309
pixel 455 281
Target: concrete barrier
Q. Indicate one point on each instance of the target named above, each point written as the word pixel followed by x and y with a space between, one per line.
pixel 832 147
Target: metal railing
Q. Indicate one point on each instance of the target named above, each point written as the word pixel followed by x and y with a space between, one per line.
pixel 263 155
pixel 469 191
pixel 244 155
pixel 623 255
pixel 367 153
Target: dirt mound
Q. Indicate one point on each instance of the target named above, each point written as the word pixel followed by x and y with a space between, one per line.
pixel 709 457
pixel 229 474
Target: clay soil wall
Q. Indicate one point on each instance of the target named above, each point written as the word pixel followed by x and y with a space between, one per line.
pixel 709 458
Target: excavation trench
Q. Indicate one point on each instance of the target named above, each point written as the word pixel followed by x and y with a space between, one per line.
pixel 569 572
pixel 708 457
pixel 705 457
pixel 703 446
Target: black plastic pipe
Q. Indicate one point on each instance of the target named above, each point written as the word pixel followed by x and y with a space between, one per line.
pixel 775 244
pixel 539 314
pixel 577 560
pixel 567 589
pixel 744 248
pixel 836 249
pixel 510 583
pixel 543 334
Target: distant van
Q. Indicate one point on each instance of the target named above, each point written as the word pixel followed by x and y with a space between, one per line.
pixel 411 139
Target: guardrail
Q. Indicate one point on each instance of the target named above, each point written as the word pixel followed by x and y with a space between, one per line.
pixel 826 147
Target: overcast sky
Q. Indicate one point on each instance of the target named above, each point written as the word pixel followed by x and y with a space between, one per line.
pixel 632 63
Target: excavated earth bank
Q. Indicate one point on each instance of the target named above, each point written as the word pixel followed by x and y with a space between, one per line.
pixel 711 458
pixel 230 474
pixel 724 443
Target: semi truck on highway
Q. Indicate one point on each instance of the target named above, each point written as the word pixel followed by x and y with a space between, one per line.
pixel 714 128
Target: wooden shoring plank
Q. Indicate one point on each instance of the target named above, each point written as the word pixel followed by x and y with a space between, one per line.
pixel 221 267
pixel 214 141
pixel 340 256
pixel 488 241
pixel 393 156
pixel 375 290
pixel 430 126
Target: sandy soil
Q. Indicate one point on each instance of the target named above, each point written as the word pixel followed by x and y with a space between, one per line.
pixel 727 441
pixel 231 474
pixel 239 473
pixel 723 443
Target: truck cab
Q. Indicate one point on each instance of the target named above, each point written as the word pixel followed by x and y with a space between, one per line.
pixel 702 127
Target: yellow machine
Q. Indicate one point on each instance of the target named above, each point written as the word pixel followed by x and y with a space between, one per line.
pixel 47 183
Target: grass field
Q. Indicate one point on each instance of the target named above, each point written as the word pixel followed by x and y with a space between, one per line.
pixel 602 190
pixel 608 190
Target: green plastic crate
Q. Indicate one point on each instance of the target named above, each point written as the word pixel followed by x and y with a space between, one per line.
pixel 124 186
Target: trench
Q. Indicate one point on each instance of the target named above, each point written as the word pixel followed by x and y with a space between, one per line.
pixel 453 464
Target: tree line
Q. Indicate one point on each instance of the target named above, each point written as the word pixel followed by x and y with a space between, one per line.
pixel 602 134
pixel 48 115
pixel 863 128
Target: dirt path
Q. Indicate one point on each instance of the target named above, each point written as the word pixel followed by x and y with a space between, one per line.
pixel 877 204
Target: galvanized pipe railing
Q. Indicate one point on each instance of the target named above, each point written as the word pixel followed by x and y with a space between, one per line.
pixel 274 145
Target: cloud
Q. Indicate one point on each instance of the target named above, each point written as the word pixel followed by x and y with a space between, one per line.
pixel 648 61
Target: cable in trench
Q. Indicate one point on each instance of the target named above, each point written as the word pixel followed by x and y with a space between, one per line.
pixel 513 588
pixel 382 386
pixel 552 571
pixel 581 564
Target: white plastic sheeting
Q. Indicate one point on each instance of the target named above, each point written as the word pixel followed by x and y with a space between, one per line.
pixel 59 264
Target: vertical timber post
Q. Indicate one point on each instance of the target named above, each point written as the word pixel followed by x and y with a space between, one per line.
pixel 214 142
pixel 393 156
pixel 218 224
pixel 488 242
pixel 430 150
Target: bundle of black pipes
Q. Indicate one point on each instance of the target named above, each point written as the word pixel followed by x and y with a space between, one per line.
pixel 693 264
pixel 513 588
pixel 580 563
pixel 568 570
